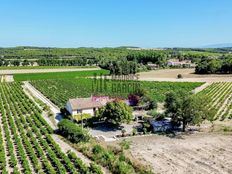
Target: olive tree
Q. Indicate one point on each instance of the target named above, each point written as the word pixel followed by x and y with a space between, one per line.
pixel 185 108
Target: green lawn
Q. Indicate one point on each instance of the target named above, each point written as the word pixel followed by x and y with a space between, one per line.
pixel 57 75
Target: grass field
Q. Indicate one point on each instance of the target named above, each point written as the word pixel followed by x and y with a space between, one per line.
pixel 59 91
pixel 43 67
pixel 57 75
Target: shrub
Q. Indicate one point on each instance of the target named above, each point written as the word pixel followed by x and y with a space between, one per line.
pixel 125 144
pixel 226 129
pixel 72 131
pixel 153 113
pixel 123 168
pixel 104 156
pixel 79 117
pixel 94 168
pixel 156 115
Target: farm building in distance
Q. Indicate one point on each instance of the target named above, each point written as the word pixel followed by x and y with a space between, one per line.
pixel 181 64
pixel 152 66
pixel 86 105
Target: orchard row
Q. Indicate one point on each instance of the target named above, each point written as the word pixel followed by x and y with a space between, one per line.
pixel 220 99
pixel 26 144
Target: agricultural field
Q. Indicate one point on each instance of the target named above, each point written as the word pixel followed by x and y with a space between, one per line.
pixel 220 97
pixel 198 153
pixel 26 144
pixel 187 74
pixel 57 75
pixel 59 91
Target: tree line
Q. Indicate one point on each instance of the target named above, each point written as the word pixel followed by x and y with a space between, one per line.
pixel 15 62
pixel 117 60
pixel 66 62
pixel 215 65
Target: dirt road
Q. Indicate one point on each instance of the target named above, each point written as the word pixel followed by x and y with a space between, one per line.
pixel 55 110
pixel 23 71
pixel 6 78
pixel 197 153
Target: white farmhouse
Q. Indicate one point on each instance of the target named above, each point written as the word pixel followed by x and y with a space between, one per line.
pixel 85 105
pixel 183 64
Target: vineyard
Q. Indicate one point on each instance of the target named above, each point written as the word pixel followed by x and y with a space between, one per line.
pixel 59 91
pixel 220 97
pixel 26 144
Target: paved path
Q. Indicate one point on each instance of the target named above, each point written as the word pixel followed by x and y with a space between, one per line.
pixel 23 71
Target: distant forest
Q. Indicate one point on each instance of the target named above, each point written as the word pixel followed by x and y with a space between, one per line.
pixel 207 61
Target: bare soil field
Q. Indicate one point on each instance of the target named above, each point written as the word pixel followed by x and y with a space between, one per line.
pixel 206 150
pixel 188 76
pixel 196 153
pixel 23 71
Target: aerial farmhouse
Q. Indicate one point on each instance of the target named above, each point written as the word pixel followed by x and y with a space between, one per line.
pixel 86 105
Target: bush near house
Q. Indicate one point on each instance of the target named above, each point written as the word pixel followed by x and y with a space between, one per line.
pixel 79 117
pixel 72 131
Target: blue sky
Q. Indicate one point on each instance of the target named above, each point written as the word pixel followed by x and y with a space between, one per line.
pixel 111 23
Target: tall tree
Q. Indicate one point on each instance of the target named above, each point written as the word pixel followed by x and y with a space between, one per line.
pixel 116 112
pixel 185 108
pixel 25 62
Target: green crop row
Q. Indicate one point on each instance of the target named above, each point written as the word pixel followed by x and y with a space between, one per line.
pixel 220 99
pixel 28 140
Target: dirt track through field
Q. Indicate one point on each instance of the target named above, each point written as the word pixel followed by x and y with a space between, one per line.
pixel 55 110
pixel 197 153
pixel 23 71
